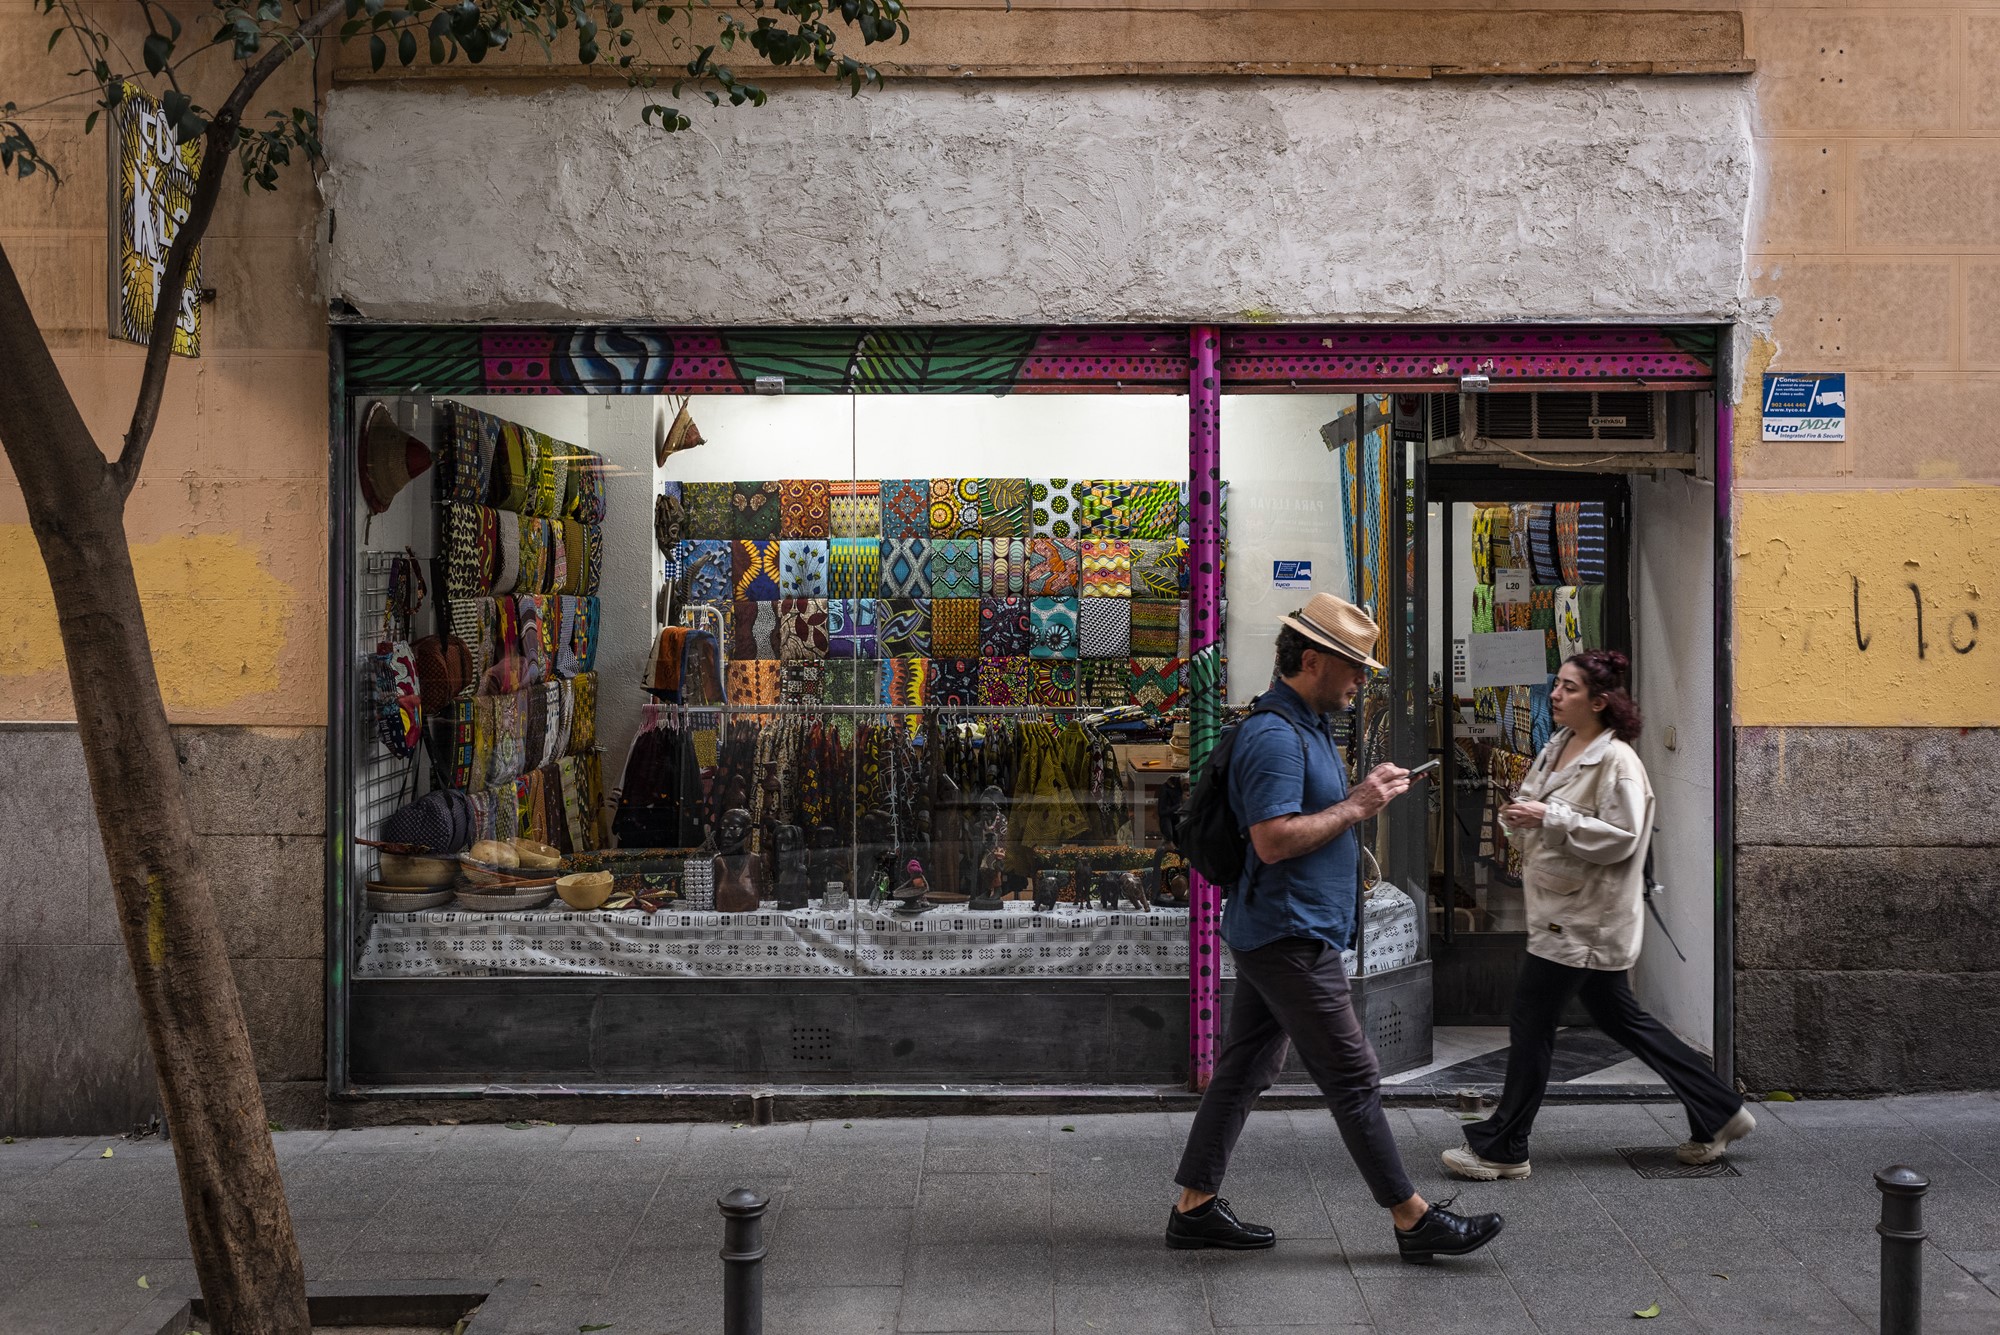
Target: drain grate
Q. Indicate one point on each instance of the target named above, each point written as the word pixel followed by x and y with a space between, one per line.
pixel 1657 1162
pixel 812 1043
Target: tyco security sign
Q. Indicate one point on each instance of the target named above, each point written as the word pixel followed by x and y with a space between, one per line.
pixel 1805 407
pixel 1291 574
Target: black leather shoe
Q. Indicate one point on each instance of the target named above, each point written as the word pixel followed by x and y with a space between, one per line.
pixel 1442 1233
pixel 1216 1225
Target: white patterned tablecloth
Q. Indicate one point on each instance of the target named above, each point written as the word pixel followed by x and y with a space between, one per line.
pixel 951 942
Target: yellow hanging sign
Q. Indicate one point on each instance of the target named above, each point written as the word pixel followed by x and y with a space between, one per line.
pixel 152 188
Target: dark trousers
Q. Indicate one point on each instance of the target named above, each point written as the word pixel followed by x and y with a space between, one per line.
pixel 1540 994
pixel 1294 989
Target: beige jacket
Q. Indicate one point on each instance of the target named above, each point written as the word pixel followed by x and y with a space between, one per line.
pixel 1584 868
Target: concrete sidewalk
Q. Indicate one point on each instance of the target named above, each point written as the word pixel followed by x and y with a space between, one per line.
pixel 1052 1224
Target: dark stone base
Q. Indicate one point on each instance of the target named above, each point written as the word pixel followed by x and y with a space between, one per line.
pixel 1858 1033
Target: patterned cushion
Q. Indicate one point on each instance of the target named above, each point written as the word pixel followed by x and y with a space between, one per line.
pixel 1003 628
pixel 854 568
pixel 955 627
pixel 855 510
pixel 1055 683
pixel 1104 627
pixel 1052 507
pixel 906 568
pixel 755 510
pixel 954 507
pixel 1005 681
pixel 906 508
pixel 1003 566
pixel 1153 509
pixel 953 681
pixel 802 567
pixel 753 629
pixel 1052 628
pixel 954 567
pixel 850 627
pixel 1054 566
pixel 802 628
pixel 753 571
pixel 710 567
pixel 1157 683
pixel 1107 569
pixel 1156 628
pixel 1003 507
pixel 903 627
pixel 1158 570
pixel 804 509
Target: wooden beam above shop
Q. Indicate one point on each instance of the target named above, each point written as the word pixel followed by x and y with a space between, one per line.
pixel 1027 41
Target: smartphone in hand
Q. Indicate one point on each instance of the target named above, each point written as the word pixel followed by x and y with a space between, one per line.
pixel 1427 767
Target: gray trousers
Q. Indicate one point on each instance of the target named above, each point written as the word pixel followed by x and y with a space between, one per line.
pixel 1294 990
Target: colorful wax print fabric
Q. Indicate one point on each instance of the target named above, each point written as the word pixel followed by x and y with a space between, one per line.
pixel 1103 511
pixel 1153 509
pixel 904 681
pixel 903 626
pixel 954 567
pixel 1055 683
pixel 1003 507
pixel 1005 681
pixel 709 566
pixel 1157 568
pixel 1052 507
pixel 854 568
pixel 804 508
pixel 753 629
pixel 583 557
pixel 1104 627
pixel 954 683
pixel 755 510
pixel 516 461
pixel 707 513
pixel 1569 622
pixel 584 501
pixel 1055 565
pixel 1103 683
pixel 802 568
pixel 802 631
pixel 846 681
pixel 1592 540
pixel 1543 566
pixel 1566 512
pixel 754 681
pixel 1107 568
pixel 531 553
pixel 906 568
pixel 1052 628
pixel 1157 684
pixel 954 627
pixel 1156 628
pixel 906 508
pixel 1003 566
pixel 1003 628
pixel 753 572
pixel 954 507
pixel 803 680
pixel 855 509
pixel 474 439
pixel 850 627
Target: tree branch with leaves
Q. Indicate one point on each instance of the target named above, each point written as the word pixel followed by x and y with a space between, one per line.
pixel 245 1251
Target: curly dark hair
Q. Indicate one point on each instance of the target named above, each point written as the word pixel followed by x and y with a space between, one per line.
pixel 1604 676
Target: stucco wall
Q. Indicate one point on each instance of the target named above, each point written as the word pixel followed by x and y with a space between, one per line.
pixel 1086 200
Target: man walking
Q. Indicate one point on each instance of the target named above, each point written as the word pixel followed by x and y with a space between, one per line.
pixel 1285 923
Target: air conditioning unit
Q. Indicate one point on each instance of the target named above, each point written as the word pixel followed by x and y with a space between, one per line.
pixel 1608 429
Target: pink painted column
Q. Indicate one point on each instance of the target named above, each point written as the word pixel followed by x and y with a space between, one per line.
pixel 1204 679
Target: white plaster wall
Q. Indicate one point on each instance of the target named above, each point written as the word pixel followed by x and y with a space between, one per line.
pixel 1673 604
pixel 1077 201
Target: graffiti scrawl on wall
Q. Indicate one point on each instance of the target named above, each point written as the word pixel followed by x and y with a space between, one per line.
pixel 152 184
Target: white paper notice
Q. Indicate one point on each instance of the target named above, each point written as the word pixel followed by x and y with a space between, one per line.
pixel 1512 584
pixel 1508 658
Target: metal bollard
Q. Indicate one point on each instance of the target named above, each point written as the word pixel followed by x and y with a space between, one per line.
pixel 743 1262
pixel 1903 1234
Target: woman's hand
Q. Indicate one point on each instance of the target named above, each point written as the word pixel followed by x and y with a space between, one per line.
pixel 1524 815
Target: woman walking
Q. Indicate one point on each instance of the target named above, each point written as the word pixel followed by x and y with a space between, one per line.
pixel 1582 819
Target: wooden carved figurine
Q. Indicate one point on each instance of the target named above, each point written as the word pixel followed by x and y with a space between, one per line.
pixel 794 884
pixel 739 875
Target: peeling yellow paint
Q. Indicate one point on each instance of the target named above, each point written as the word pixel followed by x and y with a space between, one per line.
pixel 1862 608
pixel 217 618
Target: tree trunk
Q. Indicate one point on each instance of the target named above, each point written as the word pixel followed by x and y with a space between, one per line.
pixel 238 1223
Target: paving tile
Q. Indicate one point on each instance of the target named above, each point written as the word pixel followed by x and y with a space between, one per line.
pixel 1155 1307
pixel 979 1287
pixel 1816 1114
pixel 664 1138
pixel 989 1145
pixel 385 1139
pixel 832 1310
pixel 880 1184
pixel 466 1219
pixel 771 1150
pixel 1849 1263
pixel 1442 1301
pixel 1293 1282
pixel 361 1264
pixel 838 1248
pixel 983 1207
pixel 1589 1289
pixel 91 1296
pixel 1761 1303
pixel 1982 1266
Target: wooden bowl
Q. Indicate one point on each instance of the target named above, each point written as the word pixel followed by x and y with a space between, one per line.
pixel 495 853
pixel 539 857
pixel 585 890
pixel 404 870
pixel 476 873
pixel 505 901
pixel 394 899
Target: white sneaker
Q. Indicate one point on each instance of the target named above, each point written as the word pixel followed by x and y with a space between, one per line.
pixel 1708 1151
pixel 1462 1162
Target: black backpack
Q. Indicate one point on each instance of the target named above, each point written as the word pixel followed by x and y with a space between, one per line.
pixel 1210 837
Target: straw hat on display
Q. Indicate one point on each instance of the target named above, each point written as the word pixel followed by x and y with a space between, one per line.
pixel 389 458
pixel 1339 626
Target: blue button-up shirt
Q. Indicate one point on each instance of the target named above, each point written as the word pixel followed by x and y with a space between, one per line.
pixel 1285 762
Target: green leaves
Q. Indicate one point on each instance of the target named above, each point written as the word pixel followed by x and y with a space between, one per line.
pixel 1647 1313
pixel 19 155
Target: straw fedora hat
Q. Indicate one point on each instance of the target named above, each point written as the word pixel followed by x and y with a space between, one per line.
pixel 1339 626
pixel 390 458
